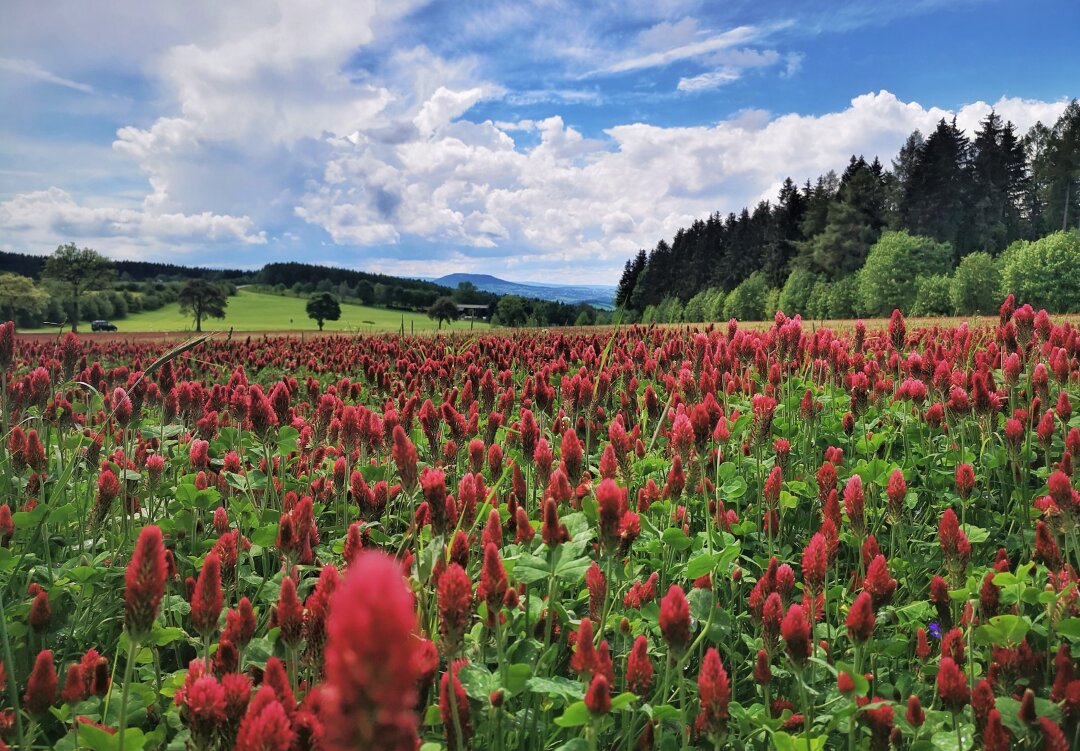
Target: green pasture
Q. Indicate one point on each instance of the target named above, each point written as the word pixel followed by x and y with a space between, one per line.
pixel 256 311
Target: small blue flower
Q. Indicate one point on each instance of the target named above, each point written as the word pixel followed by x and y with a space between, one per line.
pixel 935 630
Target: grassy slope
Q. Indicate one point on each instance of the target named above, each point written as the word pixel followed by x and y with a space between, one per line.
pixel 253 311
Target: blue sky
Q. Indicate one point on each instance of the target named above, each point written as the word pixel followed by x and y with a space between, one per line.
pixel 545 140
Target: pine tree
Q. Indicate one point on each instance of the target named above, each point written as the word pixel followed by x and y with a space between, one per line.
pixel 652 283
pixel 935 195
pixel 629 278
pixel 998 185
pixel 783 234
pixel 896 181
pixel 853 221
pixel 1055 161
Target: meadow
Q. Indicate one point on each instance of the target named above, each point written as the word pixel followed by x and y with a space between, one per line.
pixel 257 311
pixel 771 537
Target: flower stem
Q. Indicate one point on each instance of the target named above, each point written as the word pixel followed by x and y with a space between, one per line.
pixel 128 669
pixel 13 693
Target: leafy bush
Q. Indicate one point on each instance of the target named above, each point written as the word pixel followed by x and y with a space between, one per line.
pixel 714 305
pixel 772 302
pixel 747 301
pixel 975 285
pixel 1044 273
pixel 670 310
pixel 697 307
pixel 795 294
pixel 832 300
pixel 888 278
pixel 932 296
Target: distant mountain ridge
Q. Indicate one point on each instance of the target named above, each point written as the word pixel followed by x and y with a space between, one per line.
pixel 599 295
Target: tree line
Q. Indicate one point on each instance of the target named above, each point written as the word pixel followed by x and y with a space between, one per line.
pixel 79 284
pixel 945 198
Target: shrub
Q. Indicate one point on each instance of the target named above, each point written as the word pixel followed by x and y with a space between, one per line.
pixel 714 305
pixel 888 278
pixel 795 295
pixel 832 300
pixel 1044 273
pixel 772 302
pixel 696 307
pixel 932 296
pixel 670 310
pixel 975 285
pixel 747 301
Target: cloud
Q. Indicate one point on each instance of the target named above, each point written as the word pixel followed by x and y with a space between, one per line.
pixel 792 63
pixel 732 63
pixel 668 34
pixel 251 109
pixel 730 38
pixel 30 69
pixel 470 194
pixel 711 80
pixel 41 219
pixel 584 204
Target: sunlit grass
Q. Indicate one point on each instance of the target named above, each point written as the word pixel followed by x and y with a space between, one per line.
pixel 256 311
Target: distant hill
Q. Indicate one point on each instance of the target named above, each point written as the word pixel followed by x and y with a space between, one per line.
pixel 598 295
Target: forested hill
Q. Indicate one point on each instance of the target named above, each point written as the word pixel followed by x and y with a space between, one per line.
pixel 978 192
pixel 136 271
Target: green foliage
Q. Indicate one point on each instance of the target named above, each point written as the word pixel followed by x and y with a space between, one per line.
pixel 1054 155
pixel 511 311
pixel 323 307
pixel 365 292
pixel 1044 273
pixel 933 204
pixel 670 310
pixel 747 301
pixel 888 278
pixel 466 293
pixel 832 300
pixel 21 300
pixel 443 311
pixel 795 294
pixel 694 312
pixel 853 221
pixel 71 272
pixel 975 285
pixel 203 299
pixel 772 302
pixel 932 296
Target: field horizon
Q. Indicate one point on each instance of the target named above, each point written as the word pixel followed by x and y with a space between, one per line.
pixel 251 311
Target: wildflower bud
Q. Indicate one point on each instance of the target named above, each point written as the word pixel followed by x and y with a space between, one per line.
pixel 675 619
pixel 144 583
pixel 860 620
pixel 598 697
pixel 41 686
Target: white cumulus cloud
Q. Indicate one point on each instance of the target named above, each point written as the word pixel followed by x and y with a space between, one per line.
pixel 40 219
pixel 569 199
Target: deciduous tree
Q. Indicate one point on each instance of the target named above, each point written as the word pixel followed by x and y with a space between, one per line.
pixel 323 307
pixel 71 272
pixel 21 300
pixel 203 299
pixel 443 310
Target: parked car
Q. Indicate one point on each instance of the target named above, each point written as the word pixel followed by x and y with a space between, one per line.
pixel 100 325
